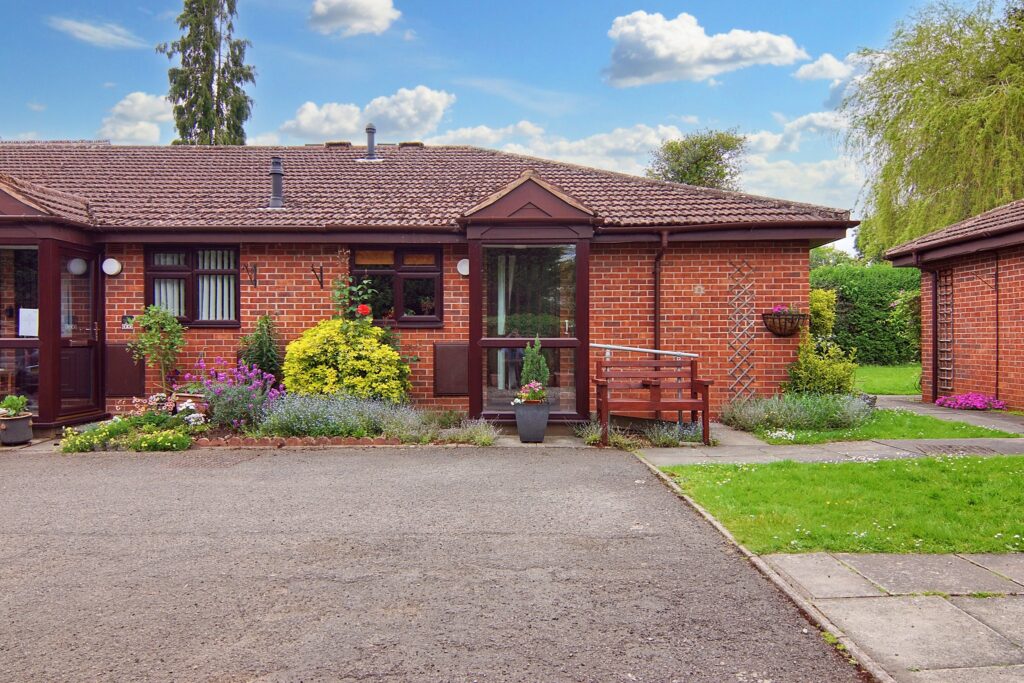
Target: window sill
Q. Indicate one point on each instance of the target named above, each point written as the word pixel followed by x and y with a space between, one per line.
pixel 411 325
pixel 206 325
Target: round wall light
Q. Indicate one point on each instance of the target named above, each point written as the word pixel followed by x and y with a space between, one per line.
pixel 111 266
pixel 463 267
pixel 78 266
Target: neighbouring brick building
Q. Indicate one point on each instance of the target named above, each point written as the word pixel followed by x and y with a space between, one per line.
pixel 972 305
pixel 472 252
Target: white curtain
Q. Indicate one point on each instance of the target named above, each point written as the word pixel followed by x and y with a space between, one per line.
pixel 169 294
pixel 216 291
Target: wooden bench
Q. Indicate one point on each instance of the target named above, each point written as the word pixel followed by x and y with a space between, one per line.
pixel 671 383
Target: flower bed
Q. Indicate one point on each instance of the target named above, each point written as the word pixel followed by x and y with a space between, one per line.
pixel 971 401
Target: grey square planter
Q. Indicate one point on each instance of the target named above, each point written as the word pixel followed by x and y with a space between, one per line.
pixel 532 421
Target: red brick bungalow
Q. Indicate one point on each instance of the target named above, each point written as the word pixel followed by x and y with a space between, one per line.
pixel 972 305
pixel 473 252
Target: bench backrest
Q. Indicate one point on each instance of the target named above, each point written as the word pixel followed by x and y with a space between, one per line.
pixel 672 373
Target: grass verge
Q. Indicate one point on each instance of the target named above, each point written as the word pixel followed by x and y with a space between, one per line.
pixel 922 505
pixel 885 424
pixel 889 379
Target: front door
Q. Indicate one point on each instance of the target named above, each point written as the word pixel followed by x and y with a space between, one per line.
pixel 530 291
pixel 80 328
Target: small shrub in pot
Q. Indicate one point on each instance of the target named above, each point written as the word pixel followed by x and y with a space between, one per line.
pixel 15 421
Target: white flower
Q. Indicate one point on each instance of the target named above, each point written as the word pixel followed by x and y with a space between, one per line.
pixel 195 419
pixel 187 405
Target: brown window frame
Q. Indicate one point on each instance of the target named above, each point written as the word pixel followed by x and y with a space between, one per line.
pixel 401 272
pixel 188 273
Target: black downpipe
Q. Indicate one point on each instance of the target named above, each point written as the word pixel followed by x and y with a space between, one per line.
pixel 658 258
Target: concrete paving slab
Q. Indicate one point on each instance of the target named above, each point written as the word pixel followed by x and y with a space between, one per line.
pixel 819 575
pixel 907 574
pixel 1010 565
pixel 919 632
pixel 986 674
pixel 1003 446
pixel 1005 614
pixel 992 419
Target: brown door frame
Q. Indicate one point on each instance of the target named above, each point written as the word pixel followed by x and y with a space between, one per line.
pixel 477 342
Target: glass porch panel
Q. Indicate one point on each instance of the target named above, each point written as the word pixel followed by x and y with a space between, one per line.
pixel 529 291
pixel 19 292
pixel 19 375
pixel 502 374
pixel 77 317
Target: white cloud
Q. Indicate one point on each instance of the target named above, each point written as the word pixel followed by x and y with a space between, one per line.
pixel 36 106
pixel 829 182
pixel 409 113
pixel 353 17
pixel 826 68
pixel 485 136
pixel 652 49
pixel 136 119
pixel 263 139
pixel 789 139
pixel 108 35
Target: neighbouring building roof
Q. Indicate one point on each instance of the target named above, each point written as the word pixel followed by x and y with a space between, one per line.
pixel 413 187
pixel 977 233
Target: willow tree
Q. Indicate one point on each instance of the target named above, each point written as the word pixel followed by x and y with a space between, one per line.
pixel 207 88
pixel 938 119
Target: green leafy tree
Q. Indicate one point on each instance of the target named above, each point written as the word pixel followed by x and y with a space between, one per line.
pixel 829 256
pixel 207 88
pixel 708 158
pixel 159 339
pixel 938 120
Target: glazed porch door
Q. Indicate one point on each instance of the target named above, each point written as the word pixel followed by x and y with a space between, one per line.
pixel 80 327
pixel 528 291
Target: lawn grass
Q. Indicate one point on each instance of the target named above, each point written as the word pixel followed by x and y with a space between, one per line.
pixel 922 505
pixel 889 379
pixel 887 424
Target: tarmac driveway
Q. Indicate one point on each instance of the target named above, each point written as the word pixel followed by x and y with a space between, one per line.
pixel 378 564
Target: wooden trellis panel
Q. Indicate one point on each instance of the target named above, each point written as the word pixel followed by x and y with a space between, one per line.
pixel 742 319
pixel 944 331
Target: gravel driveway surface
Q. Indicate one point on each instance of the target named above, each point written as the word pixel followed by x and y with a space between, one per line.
pixel 378 564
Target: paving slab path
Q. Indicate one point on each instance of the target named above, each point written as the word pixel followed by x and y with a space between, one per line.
pixel 993 419
pixel 379 564
pixel 921 617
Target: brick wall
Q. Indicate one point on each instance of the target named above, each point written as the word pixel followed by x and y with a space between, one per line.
pixel 695 305
pixel 983 360
pixel 696 280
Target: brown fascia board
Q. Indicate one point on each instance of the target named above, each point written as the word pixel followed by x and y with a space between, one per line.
pixel 1008 237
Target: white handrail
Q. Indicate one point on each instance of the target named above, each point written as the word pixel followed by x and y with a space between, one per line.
pixel 636 349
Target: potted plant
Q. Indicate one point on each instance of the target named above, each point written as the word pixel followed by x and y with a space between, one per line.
pixel 784 321
pixel 531 403
pixel 15 421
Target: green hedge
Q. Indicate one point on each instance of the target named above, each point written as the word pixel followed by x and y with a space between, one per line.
pixel 864 310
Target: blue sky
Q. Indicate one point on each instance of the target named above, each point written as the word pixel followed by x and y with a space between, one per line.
pixel 598 82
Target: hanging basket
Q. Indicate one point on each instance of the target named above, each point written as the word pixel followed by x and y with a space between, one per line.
pixel 784 324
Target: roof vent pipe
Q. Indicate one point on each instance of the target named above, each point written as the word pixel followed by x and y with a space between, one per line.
pixel 276 183
pixel 371 149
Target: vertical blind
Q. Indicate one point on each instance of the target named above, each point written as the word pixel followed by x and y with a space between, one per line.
pixel 169 294
pixel 216 290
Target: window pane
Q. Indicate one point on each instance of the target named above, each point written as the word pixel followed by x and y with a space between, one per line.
pixel 215 259
pixel 76 310
pixel 375 257
pixel 216 295
pixel 382 301
pixel 169 294
pixel 419 296
pixel 19 292
pixel 530 291
pixel 502 372
pixel 169 258
pixel 19 374
pixel 420 259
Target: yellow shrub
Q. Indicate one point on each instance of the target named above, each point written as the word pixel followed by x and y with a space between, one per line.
pixel 345 357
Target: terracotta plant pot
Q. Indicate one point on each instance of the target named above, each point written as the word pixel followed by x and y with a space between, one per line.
pixel 17 430
pixel 532 420
pixel 198 399
pixel 784 324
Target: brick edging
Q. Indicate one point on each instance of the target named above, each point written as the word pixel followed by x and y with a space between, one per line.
pixel 281 441
pixel 807 608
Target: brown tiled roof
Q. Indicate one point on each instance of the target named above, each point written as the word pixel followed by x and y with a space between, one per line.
pixel 413 187
pixel 1000 219
pixel 47 200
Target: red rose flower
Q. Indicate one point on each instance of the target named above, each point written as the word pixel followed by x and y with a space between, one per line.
pixel 363 309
